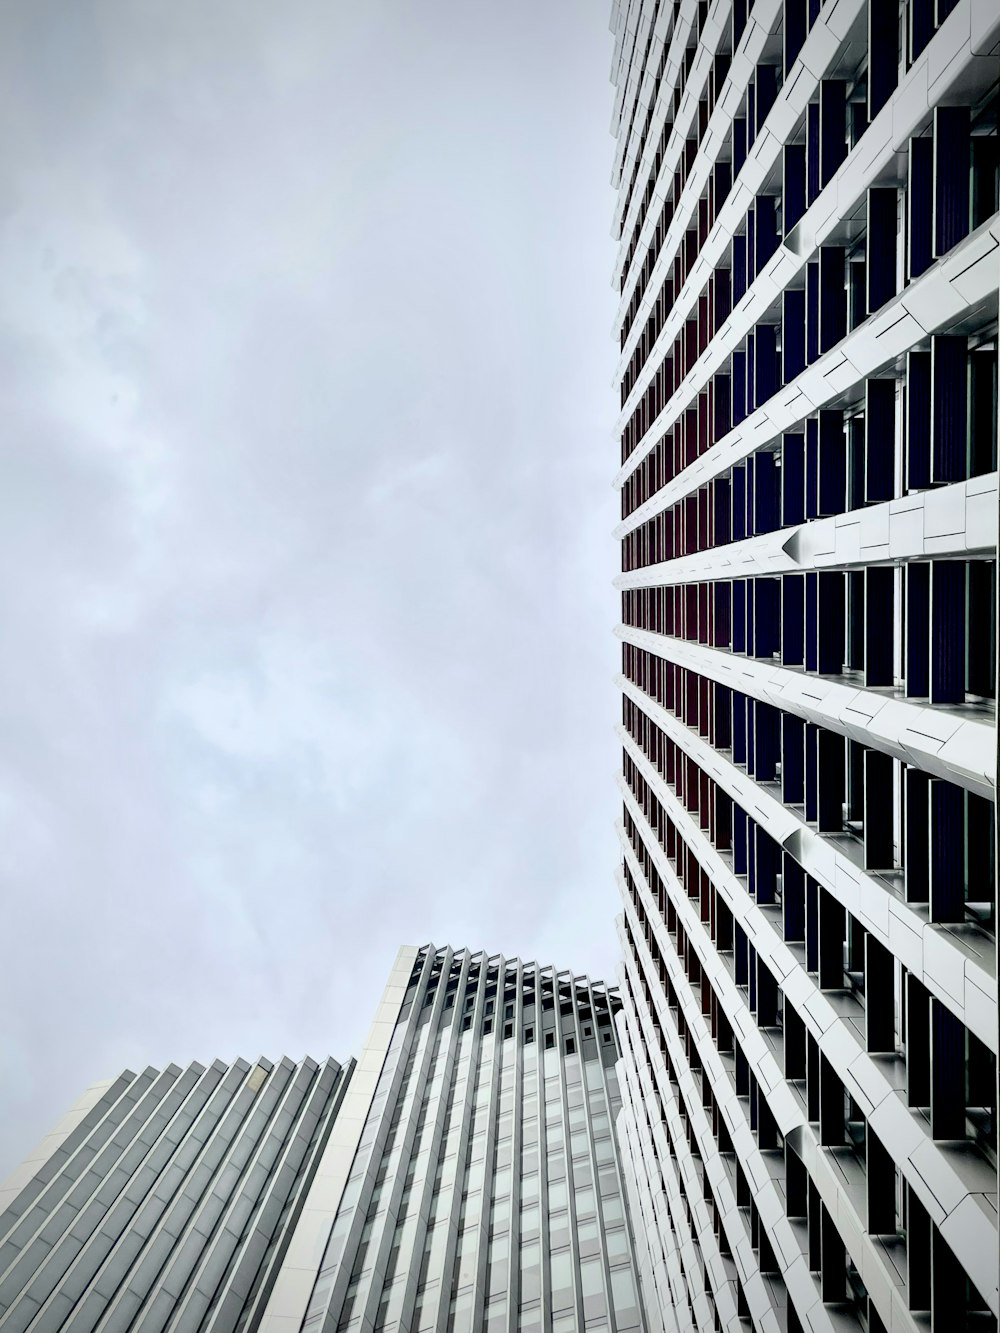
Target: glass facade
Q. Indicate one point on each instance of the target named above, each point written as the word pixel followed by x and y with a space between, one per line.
pixel 485 1190
pixel 164 1200
pixel 463 1174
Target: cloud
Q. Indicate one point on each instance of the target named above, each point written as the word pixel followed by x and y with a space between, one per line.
pixel 304 519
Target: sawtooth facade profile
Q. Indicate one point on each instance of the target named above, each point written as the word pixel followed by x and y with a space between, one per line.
pixel 807 269
pixel 464 1175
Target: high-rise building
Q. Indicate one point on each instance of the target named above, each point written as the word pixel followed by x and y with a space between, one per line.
pixel 472 1181
pixel 463 1176
pixel 164 1200
pixel 808 277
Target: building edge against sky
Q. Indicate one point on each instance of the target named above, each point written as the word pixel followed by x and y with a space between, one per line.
pixel 808 277
pixel 472 1181
pixel 463 1175
pixel 165 1199
pixel 801 1063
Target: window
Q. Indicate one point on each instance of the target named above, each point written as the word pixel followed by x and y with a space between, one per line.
pixel 623 1297
pixel 530 1320
pixel 529 1220
pixel 496 1314
pixel 585 1202
pixel 499 1263
pixel 562 1280
pixel 605 1151
pixel 508 1030
pixel 616 1243
pixel 558 1194
pixel 550 1041
pixel 570 1045
pixel 460 1306
pixel 558 1229
pixel 583 1173
pixel 531 1272
pixel 588 1031
pixel 609 1181
pixel 529 1035
pixel 592 1282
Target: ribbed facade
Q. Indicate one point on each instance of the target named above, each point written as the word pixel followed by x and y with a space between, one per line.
pixel 473 1180
pixel 164 1200
pixel 808 275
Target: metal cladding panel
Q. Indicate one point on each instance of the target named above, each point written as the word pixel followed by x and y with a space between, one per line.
pixel 166 1204
pixel 485 1188
pixel 808 783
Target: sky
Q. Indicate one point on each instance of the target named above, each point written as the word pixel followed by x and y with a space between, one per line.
pixel 306 607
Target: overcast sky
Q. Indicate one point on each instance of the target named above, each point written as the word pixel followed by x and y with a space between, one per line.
pixel 305 515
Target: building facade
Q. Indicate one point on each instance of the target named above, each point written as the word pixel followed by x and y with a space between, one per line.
pixel 164 1200
pixel 464 1175
pixel 472 1180
pixel 808 276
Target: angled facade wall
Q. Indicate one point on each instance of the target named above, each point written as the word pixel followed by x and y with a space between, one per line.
pixel 164 1200
pixel 808 275
pixel 463 1175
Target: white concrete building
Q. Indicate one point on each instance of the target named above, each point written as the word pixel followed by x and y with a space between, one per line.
pixel 808 270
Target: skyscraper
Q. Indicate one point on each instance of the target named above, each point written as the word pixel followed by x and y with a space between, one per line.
pixel 464 1175
pixel 807 215
pixel 164 1200
pixel 472 1181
